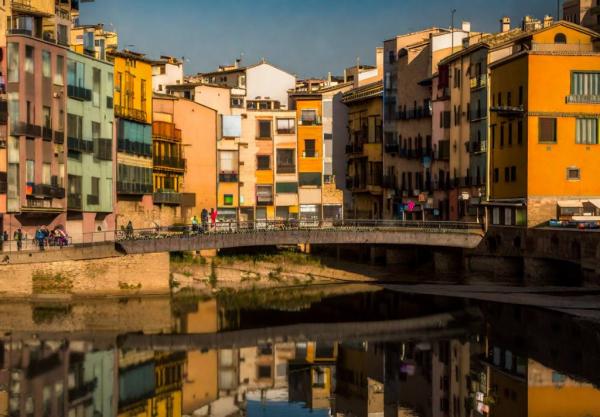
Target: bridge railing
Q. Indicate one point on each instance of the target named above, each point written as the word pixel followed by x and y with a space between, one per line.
pixel 273 226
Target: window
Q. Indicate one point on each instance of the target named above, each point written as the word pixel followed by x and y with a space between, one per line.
pixel 228 199
pixel 46 64
pixel 264 129
pixel 286 161
pixel 74 126
pixel 310 148
pixel 496 175
pixel 96 80
pixel 286 126
pixel 584 83
pixel 30 171
pixel 46 173
pixel 547 130
pixel 519 132
pixel 493 132
pixel 286 187
pixel 231 126
pixel 560 38
pixel 263 162
pixel 587 131
pixel 13 62
pixel 75 73
pixel 47 117
pixel 573 174
pixel 264 195
pixel 510 134
pixel 501 135
pixel 95 186
pixel 60 68
pixel 29 65
pixel 513 174
pixel 521 95
pixel 509 99
pixel 506 174
pixel 96 128
pixel 309 117
pixel 310 179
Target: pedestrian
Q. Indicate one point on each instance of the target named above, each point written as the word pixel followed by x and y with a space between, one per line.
pixel 129 230
pixel 2 242
pixel 39 238
pixel 18 237
pixel 46 234
pixel 194 224
pixel 213 218
pixel 204 218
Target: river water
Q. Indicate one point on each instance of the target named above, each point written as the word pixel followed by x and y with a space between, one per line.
pixel 343 350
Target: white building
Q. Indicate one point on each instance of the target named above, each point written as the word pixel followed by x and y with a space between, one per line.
pixel 166 71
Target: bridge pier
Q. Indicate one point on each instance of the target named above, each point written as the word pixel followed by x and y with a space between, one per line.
pixel 498 268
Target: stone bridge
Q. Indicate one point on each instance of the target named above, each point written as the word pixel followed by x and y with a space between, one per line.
pixel 432 234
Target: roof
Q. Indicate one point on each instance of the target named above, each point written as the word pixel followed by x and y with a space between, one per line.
pixel 130 55
pixel 364 92
pixel 423 31
pixel 570 204
pixel 242 69
pixel 185 86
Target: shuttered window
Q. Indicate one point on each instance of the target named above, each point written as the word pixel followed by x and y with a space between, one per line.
pixel 587 131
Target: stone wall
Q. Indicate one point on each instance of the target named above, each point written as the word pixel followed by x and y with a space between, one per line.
pixel 122 276
pixel 145 215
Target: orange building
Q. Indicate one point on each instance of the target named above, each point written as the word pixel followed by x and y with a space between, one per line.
pixel 545 106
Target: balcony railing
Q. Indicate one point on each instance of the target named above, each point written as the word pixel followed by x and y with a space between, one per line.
pixel 26 129
pixel 80 145
pixel 310 122
pixel 103 149
pixel 583 99
pixel 562 47
pixel 166 131
pixel 354 148
pixel 134 148
pixel 93 200
pixel 133 188
pixel 47 191
pixel 508 111
pixel 310 154
pixel 228 177
pixel 286 169
pixel 132 114
pixel 79 93
pixel 59 137
pixel 392 147
pixel 46 133
pixel 74 202
pixel 174 199
pixel 170 162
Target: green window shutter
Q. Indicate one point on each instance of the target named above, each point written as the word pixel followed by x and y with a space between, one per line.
pixel 286 187
pixel 311 179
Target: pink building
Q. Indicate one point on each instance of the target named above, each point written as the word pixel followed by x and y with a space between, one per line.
pixel 35 146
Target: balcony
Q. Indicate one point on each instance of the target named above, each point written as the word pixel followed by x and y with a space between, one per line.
pixel 79 93
pixel 45 191
pixel 355 148
pixel 74 202
pixel 169 163
pixel 310 122
pixel 310 154
pixel 228 177
pixel 133 188
pixel 103 149
pixel 93 200
pixel 26 129
pixel 59 137
pixel 392 147
pixel 508 111
pixel 80 145
pixel 479 82
pixel 583 99
pixel 47 134
pixel 131 114
pixel 172 198
pixel 286 169
pixel 564 48
pixel 134 148
pixel 164 130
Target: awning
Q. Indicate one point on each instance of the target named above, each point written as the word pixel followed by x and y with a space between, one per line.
pixel 570 203
pixel 504 203
pixel 595 202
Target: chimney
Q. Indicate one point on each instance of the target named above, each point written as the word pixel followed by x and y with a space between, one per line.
pixel 548 20
pixel 466 27
pixel 379 58
pixel 505 24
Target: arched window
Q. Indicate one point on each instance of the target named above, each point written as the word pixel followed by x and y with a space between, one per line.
pixel 560 38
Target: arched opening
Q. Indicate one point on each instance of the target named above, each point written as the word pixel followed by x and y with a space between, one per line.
pixel 560 38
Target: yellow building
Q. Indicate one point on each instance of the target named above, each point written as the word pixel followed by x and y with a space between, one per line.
pixel 133 118
pixel 364 152
pixel 544 126
pixel 93 40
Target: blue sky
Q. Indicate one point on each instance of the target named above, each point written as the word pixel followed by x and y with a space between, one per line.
pixel 305 37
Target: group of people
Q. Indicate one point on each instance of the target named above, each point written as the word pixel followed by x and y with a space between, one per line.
pixel 43 237
pixel 205 217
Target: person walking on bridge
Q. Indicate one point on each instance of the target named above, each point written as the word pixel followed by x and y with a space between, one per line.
pixel 204 219
pixel 213 218
pixel 18 237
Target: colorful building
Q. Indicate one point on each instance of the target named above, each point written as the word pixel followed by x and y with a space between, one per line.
pixel 543 151
pixel 583 12
pixel 91 151
pixel 364 152
pixel 133 118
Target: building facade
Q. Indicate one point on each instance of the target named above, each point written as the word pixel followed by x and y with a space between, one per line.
pixel 583 12
pixel 133 119
pixel 543 154
pixel 91 147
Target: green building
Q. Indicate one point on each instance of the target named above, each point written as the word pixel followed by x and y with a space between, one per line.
pixel 91 149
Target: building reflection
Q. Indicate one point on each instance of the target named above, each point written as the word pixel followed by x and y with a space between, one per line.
pixel 506 367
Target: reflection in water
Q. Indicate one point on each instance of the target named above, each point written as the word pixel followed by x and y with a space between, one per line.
pixel 502 361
